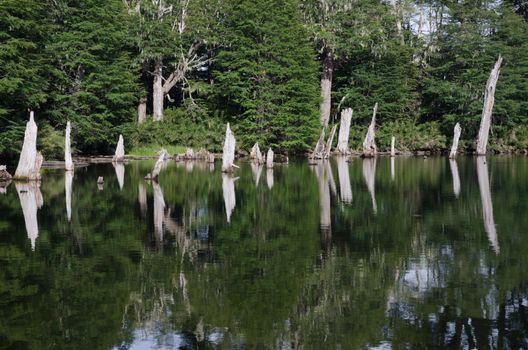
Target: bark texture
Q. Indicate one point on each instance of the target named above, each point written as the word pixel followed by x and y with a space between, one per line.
pixel 489 100
pixel 269 159
pixel 27 167
pixel 228 155
pixel 344 131
pixel 157 91
pixel 487 204
pixel 456 136
pixel 255 154
pixel 326 89
pixel 369 144
pixel 119 155
pixel 142 109
pixel 68 163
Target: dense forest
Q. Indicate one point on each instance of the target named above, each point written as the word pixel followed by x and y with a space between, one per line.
pixel 175 71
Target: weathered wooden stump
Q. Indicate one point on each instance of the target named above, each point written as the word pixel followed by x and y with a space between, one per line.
pixel 68 163
pixel 344 131
pixel 228 155
pixel 28 164
pixel 456 136
pixel 119 155
pixel 369 144
pixel 269 159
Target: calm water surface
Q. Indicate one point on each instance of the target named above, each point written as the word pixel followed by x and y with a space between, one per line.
pixel 407 253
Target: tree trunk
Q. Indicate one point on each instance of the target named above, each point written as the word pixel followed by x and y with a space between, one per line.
pixel 489 99
pixel 28 157
pixel 398 20
pixel 369 144
pixel 255 154
pixel 344 131
pixel 269 159
pixel 329 142
pixel 119 155
pixel 487 205
pixel 228 156
pixel 68 163
pixel 393 149
pixel 326 88
pixel 142 109
pixel 159 164
pixel 456 136
pixel 157 91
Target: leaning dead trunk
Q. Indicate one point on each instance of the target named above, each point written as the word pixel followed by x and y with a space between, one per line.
pixel 68 163
pixel 159 164
pixel 326 88
pixel 489 99
pixel 456 136
pixel 228 156
pixel 319 150
pixel 157 91
pixel 393 150
pixel 269 159
pixel 369 144
pixel 329 142
pixel 26 169
pixel 344 131
pixel 119 155
pixel 487 204
pixel 30 200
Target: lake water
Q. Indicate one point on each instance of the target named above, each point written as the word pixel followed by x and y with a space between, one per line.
pixel 407 253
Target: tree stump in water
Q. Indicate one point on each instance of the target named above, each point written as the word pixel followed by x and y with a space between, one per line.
pixel 489 99
pixel 369 145
pixel 328 148
pixel 68 163
pixel 119 155
pixel 318 152
pixel 4 175
pixel 228 155
pixel 393 150
pixel 344 131
pixel 27 163
pixel 456 137
pixel 255 154
pixel 269 159
pixel 159 164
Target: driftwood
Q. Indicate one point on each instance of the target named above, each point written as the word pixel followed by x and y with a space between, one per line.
pixel 318 152
pixel 120 174
pixel 119 155
pixel 68 163
pixel 255 154
pixel 344 131
pixel 456 136
pixel 269 159
pixel 228 155
pixel 30 200
pixel 487 204
pixel 269 178
pixel 68 184
pixel 456 177
pixel 369 173
pixel 27 163
pixel 228 190
pixel 345 188
pixel 159 164
pixel 393 150
pixel 369 144
pixel 329 142
pixel 489 99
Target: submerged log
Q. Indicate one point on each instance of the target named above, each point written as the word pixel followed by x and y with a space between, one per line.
pixel 369 144
pixel 68 163
pixel 393 150
pixel 119 155
pixel 269 159
pixel 27 163
pixel 487 204
pixel 344 131
pixel 318 152
pixel 329 142
pixel 228 155
pixel 489 99
pixel 159 164
pixel 456 136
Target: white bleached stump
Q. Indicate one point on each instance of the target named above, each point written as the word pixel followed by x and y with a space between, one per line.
pixel 369 144
pixel 159 163
pixel 344 131
pixel 228 155
pixel 255 154
pixel 119 155
pixel 68 163
pixel 489 99
pixel 393 149
pixel 30 201
pixel 318 152
pixel 26 169
pixel 269 159
pixel 487 204
pixel 456 136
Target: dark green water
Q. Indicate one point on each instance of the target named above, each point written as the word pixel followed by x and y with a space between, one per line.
pixel 339 256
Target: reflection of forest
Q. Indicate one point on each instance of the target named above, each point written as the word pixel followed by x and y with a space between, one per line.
pixel 161 265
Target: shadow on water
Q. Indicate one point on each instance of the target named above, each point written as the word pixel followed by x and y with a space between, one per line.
pixel 194 261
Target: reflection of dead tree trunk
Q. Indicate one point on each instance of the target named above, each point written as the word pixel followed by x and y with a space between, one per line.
pixel 456 136
pixel 269 178
pixel 27 163
pixel 456 177
pixel 369 144
pixel 228 189
pixel 392 168
pixel 142 199
pixel 324 203
pixel 68 182
pixel 369 173
pixel 257 171
pixel 489 99
pixel 487 204
pixel 120 174
pixel 159 210
pixel 30 200
pixel 344 180
pixel 68 163
pixel 344 131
